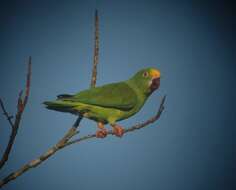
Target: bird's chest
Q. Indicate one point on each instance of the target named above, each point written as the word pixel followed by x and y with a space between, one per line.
pixel 101 114
pixel 139 105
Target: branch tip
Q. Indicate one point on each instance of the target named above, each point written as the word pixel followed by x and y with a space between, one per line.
pixel 21 103
pixel 8 117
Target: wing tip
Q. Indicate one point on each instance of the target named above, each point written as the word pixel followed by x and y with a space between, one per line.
pixel 60 96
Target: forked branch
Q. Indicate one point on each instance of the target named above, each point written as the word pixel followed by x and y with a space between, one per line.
pixel 65 141
pixel 21 103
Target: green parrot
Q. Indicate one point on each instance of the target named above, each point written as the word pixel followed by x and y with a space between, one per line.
pixel 110 103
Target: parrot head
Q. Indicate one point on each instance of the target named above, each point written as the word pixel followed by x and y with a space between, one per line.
pixel 147 80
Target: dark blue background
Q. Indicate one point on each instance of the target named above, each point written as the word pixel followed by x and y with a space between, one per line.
pixel 191 42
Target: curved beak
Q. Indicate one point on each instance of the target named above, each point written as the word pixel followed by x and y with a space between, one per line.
pixel 155 82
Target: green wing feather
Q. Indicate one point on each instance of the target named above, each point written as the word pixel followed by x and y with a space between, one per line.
pixel 114 95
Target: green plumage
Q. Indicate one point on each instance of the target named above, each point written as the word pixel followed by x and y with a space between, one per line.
pixel 108 103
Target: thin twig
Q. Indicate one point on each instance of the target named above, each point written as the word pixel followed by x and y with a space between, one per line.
pixel 95 63
pixel 9 117
pixel 96 51
pixel 20 109
pixel 28 79
pixel 64 142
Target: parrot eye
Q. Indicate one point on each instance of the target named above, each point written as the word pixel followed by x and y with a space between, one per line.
pixel 145 74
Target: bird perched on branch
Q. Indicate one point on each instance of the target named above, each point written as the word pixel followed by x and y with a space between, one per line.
pixel 110 103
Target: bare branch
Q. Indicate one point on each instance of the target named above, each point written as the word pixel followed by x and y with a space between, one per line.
pixel 64 142
pixel 8 117
pixel 28 79
pixel 96 51
pixel 95 62
pixel 20 109
pixel 20 106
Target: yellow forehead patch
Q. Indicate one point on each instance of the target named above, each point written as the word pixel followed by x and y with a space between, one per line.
pixel 155 73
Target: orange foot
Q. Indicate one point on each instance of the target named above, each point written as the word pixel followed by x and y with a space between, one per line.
pixel 118 130
pixel 101 133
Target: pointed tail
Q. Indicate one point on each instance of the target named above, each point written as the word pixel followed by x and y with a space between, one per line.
pixel 59 105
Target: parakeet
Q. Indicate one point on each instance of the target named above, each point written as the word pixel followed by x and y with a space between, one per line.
pixel 110 103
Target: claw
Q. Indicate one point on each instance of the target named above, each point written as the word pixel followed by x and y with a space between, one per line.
pixel 101 133
pixel 118 130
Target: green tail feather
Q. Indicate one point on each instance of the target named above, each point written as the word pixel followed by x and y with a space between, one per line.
pixel 61 106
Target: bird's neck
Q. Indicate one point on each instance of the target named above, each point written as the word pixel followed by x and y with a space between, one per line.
pixel 141 96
